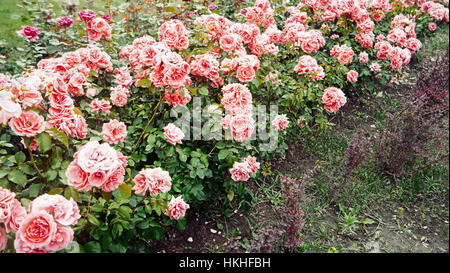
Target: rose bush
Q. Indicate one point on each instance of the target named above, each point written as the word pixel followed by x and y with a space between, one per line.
pixel 89 115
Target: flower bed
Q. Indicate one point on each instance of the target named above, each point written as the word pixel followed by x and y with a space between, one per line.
pixel 122 123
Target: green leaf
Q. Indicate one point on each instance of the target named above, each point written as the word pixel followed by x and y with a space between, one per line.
pixel 34 190
pixel 181 223
pixel 223 154
pixel 44 140
pixel 203 91
pixel 18 177
pixel 230 195
pixel 60 136
pixel 71 192
pixel 55 191
pixel 92 247
pixel 367 221
pixel 20 157
pixel 125 191
pixel 93 220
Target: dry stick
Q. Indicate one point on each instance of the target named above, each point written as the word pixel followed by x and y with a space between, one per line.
pixel 146 126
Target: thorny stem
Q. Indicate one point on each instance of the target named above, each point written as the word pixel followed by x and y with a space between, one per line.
pixel 155 110
pixel 34 164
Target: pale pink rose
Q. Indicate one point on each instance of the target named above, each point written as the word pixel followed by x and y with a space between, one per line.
pixel 123 77
pixel 22 247
pixel 100 105
pixel 173 134
pixel 115 179
pixel 6 202
pixel 280 122
pixel 333 98
pixel 97 179
pixel 30 98
pixel 230 42
pixel 253 165
pixel 174 34
pixel 3 239
pixel 177 208
pixel 94 157
pixel 352 76
pixel 432 26
pixel 37 229
pixel 375 67
pixel 28 124
pixel 119 95
pixel 91 92
pixel 80 126
pixel 77 178
pixel 154 180
pixel 240 171
pixel 174 99
pixel 363 57
pixel 114 131
pixel 236 96
pixel 8 108
pixel 241 127
pixel 65 212
pixel 61 239
pixel 245 73
pixel 16 216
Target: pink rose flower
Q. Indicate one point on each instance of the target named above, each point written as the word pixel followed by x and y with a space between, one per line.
pixel 333 98
pixel 240 171
pixel 363 57
pixel 173 134
pixel 64 211
pixel 241 126
pixel 114 131
pixel 28 124
pixel 8 108
pixel 154 180
pixel 301 122
pixel 77 178
pixel 16 216
pixel 177 208
pixel 114 180
pixel 37 229
pixel 119 95
pixel 31 33
pixel 100 105
pixel 280 122
pixel 352 76
pixel 3 239
pixel 61 239
pixel 253 165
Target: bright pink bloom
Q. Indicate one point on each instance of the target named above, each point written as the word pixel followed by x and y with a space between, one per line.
pixel 280 122
pixel 333 98
pixel 173 134
pixel 154 180
pixel 114 131
pixel 28 124
pixel 177 208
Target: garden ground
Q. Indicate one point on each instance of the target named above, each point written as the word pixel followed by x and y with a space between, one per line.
pixel 381 214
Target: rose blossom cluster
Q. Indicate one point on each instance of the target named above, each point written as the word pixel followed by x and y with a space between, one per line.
pixel 206 65
pixel 174 34
pixel 261 13
pixel 403 33
pixel 45 228
pixel 97 29
pixel 343 53
pixel 177 98
pixel 176 208
pixel 114 131
pixel 173 134
pixel 96 165
pixel 155 61
pixel 245 66
pixel 333 98
pixel 241 170
pixel 436 10
pixel 280 122
pixel 152 180
pixel 237 101
pixel 307 65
